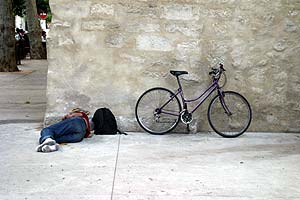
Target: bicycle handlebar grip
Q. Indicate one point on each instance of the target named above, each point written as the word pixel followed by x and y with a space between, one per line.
pixel 222 66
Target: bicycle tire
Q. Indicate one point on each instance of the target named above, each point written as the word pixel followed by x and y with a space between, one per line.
pixel 230 126
pixel 149 102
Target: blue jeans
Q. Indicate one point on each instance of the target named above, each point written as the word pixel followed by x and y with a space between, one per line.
pixel 69 130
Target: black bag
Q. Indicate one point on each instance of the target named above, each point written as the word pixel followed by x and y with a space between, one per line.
pixel 105 122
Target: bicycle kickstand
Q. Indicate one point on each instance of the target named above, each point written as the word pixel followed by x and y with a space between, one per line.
pixel 188 128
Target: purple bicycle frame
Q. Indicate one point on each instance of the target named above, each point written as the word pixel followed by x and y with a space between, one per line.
pixel 214 85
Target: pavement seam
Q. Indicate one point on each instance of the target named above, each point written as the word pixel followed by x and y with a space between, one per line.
pixel 20 121
pixel 115 170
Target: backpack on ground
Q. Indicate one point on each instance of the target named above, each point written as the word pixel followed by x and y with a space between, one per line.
pixel 105 122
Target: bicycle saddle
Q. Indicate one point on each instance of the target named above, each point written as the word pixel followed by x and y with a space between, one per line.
pixel 178 73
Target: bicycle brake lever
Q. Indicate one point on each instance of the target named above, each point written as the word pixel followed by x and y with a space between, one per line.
pixel 222 67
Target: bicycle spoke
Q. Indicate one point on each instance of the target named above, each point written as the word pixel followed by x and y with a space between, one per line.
pixel 147 111
pixel 235 123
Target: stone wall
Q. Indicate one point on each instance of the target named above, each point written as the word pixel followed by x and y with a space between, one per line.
pixel 106 53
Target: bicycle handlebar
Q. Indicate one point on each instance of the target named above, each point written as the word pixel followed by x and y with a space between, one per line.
pixel 217 71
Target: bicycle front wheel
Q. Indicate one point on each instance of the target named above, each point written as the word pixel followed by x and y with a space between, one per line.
pixel 157 111
pixel 231 117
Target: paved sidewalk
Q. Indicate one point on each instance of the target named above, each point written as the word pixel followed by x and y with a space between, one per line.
pixel 168 167
pixel 23 94
pixel 139 165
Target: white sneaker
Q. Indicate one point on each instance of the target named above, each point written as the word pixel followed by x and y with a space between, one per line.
pixel 48 141
pixel 49 148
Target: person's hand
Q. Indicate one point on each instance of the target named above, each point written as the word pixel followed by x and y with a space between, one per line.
pixel 72 115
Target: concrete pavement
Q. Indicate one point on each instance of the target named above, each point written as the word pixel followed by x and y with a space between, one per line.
pixel 139 165
pixel 23 94
pixel 168 167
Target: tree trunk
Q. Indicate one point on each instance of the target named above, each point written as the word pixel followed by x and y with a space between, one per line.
pixel 34 31
pixel 7 38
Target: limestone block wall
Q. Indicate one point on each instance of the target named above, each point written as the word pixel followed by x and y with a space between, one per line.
pixel 105 53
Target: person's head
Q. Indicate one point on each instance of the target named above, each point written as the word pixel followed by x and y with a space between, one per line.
pixel 80 110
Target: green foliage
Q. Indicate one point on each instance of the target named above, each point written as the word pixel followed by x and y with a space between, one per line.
pixel 49 17
pixel 19 8
pixel 43 6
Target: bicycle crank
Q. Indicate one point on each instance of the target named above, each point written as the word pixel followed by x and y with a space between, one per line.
pixel 186 117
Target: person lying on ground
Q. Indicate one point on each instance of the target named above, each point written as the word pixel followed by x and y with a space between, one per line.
pixel 73 128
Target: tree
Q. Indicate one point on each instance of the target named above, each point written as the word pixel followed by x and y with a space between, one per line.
pixel 43 6
pixel 19 7
pixel 34 31
pixel 7 37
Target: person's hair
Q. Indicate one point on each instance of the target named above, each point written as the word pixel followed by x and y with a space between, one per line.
pixel 80 110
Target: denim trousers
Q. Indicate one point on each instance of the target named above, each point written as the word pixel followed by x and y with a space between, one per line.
pixel 69 130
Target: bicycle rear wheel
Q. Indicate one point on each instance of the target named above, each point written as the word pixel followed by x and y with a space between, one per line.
pixel 152 117
pixel 231 124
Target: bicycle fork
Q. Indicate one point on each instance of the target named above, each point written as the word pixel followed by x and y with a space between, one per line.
pixel 223 103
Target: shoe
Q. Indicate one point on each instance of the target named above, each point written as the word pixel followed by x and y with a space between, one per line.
pixel 48 141
pixel 50 148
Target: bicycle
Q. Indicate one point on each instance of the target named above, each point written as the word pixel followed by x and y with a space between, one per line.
pixel 158 110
